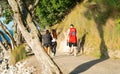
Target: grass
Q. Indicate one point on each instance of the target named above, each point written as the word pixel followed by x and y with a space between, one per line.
pixel 109 30
pixel 18 54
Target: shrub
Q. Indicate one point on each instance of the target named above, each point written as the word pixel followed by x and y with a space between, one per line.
pixel 18 54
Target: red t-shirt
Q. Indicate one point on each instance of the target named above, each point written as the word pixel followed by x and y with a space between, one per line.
pixel 72 35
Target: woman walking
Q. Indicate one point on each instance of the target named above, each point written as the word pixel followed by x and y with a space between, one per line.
pixel 46 40
pixel 54 42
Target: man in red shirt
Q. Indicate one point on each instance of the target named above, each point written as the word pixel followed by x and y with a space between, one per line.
pixel 72 39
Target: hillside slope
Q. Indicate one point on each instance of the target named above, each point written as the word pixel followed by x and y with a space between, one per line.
pixel 102 36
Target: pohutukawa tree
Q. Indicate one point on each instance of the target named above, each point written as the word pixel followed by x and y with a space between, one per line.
pixel 23 18
pixel 5 29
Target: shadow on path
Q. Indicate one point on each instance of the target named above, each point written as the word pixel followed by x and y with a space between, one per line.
pixel 85 66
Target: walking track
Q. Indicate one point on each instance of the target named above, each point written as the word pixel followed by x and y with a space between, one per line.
pixel 82 64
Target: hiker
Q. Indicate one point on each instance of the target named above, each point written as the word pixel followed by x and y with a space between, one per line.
pixel 72 40
pixel 54 42
pixel 47 41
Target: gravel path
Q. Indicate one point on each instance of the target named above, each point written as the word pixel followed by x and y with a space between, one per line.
pixel 81 64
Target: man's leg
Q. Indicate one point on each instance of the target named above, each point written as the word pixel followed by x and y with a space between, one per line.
pixel 71 49
pixel 75 50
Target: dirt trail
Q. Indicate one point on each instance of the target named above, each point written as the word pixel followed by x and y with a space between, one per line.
pixel 83 64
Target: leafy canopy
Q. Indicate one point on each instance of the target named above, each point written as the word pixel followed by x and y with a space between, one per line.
pixel 50 12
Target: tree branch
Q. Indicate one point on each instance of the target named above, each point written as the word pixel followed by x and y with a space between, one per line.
pixel 1 9
pixel 36 3
pixel 9 34
pixel 32 7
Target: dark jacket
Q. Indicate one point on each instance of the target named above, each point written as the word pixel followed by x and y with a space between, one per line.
pixel 47 39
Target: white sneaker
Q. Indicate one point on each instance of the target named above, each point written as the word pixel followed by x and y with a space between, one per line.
pixel 53 54
pixel 75 54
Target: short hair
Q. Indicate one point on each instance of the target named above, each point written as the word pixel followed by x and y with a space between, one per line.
pixel 72 25
pixel 47 31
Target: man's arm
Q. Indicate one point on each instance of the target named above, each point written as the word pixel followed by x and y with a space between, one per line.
pixel 68 34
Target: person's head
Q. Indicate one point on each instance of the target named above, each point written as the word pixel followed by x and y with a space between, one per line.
pixel 54 33
pixel 71 25
pixel 47 31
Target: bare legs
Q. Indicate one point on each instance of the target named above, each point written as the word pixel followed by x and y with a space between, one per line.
pixel 73 50
pixel 47 49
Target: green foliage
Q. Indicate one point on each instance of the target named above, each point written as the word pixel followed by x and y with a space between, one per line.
pixel 103 10
pixel 118 26
pixel 18 54
pixel 51 12
pixel 7 13
pixel 112 4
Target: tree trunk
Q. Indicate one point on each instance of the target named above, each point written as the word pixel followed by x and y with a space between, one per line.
pixel 4 41
pixel 17 35
pixel 5 29
pixel 0 10
pixel 32 39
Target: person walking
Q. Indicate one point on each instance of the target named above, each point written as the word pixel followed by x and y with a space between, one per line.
pixel 54 42
pixel 47 41
pixel 72 40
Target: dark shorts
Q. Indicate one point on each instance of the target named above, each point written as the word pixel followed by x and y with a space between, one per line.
pixel 47 45
pixel 72 44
